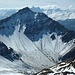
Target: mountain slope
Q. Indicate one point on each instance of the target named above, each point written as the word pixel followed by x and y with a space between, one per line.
pixel 66 17
pixel 68 23
pixel 34 37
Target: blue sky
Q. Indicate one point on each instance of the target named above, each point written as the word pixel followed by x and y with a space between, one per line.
pixel 24 3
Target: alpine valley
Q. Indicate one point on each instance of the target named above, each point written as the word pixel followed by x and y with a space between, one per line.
pixel 31 41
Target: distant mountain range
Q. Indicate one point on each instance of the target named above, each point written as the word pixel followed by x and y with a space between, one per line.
pixel 4 13
pixel 55 12
pixel 65 17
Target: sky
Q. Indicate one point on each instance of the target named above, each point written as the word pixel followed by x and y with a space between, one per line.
pixel 28 3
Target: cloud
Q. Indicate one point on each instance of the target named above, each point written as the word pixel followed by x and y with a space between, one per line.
pixel 47 3
pixel 50 6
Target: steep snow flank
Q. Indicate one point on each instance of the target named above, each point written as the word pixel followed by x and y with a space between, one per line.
pixel 54 49
pixel 21 44
pixel 7 67
pixel 70 45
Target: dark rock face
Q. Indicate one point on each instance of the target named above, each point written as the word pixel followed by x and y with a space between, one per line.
pixel 8 53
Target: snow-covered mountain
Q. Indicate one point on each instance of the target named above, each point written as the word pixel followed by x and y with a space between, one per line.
pixel 64 16
pixel 33 41
pixel 64 68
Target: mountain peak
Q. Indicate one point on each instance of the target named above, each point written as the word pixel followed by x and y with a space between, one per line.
pixel 26 9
